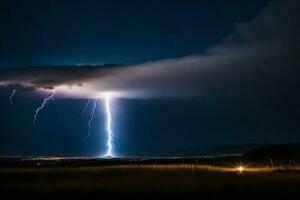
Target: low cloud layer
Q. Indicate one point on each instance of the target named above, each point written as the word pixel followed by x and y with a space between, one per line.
pixel 261 58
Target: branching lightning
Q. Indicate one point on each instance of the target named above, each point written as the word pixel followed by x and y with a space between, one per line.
pixel 111 139
pixel 110 135
pixel 11 96
pixel 42 106
pixel 85 107
pixel 92 117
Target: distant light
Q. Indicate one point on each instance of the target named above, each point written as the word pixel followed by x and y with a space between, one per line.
pixel 241 169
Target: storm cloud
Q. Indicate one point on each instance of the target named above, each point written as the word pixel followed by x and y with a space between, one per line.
pixel 261 58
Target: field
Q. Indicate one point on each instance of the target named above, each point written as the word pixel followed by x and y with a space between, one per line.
pixel 49 178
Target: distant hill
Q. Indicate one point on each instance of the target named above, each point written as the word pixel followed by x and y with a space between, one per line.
pixel 284 153
pixel 260 152
pixel 203 151
pixel 232 149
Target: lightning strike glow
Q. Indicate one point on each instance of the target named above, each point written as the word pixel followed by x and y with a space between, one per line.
pixel 92 117
pixel 110 135
pixel 11 96
pixel 42 106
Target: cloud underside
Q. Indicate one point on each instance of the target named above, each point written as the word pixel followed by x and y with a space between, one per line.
pixel 261 58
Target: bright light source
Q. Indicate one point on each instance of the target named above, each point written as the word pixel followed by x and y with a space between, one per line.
pixel 109 94
pixel 241 169
pixel 108 126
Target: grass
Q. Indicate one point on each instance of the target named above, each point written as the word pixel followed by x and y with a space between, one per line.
pixel 146 178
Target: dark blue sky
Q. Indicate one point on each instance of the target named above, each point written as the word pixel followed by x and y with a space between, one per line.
pixel 69 32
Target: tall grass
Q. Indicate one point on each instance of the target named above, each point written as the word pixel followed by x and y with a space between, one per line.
pixel 149 177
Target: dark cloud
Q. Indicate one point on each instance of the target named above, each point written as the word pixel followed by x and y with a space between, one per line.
pixel 50 77
pixel 260 59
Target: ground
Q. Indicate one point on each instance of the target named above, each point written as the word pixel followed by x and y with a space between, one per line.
pixel 49 178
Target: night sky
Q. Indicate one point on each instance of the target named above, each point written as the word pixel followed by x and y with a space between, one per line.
pixel 191 74
pixel 91 32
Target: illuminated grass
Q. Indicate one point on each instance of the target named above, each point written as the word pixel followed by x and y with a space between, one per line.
pixel 150 177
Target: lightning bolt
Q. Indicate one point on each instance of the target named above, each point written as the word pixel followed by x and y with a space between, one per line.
pixel 92 117
pixel 110 136
pixel 85 107
pixel 50 97
pixel 11 96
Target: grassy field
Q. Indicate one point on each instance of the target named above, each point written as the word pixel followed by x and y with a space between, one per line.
pixel 168 179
